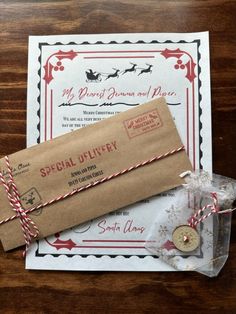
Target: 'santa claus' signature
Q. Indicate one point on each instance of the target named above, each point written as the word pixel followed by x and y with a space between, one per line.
pixel 116 227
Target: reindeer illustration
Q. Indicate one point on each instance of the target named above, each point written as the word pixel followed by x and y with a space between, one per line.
pixel 29 199
pixel 132 69
pixel 115 74
pixel 147 70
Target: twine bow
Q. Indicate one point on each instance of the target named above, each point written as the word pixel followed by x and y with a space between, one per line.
pixel 214 208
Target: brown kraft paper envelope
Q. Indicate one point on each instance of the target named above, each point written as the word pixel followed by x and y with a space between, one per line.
pixel 45 171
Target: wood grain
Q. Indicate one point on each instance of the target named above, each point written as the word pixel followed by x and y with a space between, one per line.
pixel 24 291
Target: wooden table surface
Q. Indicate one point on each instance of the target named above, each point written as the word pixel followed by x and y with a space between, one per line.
pixel 23 291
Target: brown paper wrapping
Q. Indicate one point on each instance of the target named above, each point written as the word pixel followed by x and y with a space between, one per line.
pixel 53 168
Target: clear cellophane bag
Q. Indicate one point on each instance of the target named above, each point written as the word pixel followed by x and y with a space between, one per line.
pixel 193 232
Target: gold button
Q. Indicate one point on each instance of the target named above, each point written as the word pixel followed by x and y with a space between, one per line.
pixel 186 238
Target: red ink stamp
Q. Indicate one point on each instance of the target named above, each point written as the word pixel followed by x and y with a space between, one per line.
pixel 143 123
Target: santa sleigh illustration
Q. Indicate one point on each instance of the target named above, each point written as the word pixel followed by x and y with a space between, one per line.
pixel 93 76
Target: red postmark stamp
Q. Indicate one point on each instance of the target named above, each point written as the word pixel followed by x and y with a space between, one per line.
pixel 143 123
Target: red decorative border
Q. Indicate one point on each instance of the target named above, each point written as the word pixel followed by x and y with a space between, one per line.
pixel 69 244
pixel 167 53
pixel 49 69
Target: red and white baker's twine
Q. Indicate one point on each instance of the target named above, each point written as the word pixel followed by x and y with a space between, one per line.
pixel 29 228
pixel 214 208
